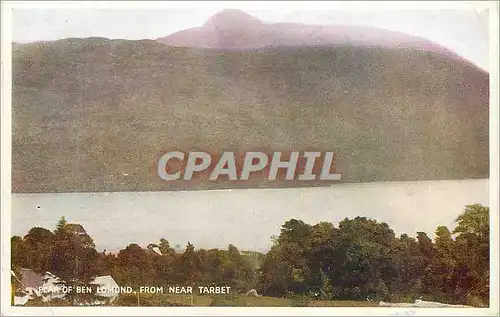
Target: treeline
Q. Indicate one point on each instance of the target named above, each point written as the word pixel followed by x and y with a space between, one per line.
pixel 363 259
pixel 358 260
pixel 69 252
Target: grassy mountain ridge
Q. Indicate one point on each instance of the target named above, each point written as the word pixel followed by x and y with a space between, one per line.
pixel 88 111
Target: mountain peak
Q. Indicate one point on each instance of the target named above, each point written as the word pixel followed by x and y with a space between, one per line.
pixel 231 18
pixel 236 29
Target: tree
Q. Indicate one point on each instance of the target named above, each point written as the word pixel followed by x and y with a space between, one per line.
pixel 74 253
pixel 39 248
pixel 189 267
pixel 407 262
pixel 238 272
pixel 322 245
pixel 474 222
pixel 363 260
pixel 472 240
pixel 277 273
pixel 444 265
pixel 165 248
pixel 134 266
pixel 19 252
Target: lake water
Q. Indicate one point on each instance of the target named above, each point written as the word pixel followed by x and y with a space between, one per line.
pixel 245 218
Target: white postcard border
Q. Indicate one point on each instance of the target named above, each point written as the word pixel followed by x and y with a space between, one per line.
pixel 6 20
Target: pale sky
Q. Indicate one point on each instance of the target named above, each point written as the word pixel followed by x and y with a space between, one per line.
pixel 464 31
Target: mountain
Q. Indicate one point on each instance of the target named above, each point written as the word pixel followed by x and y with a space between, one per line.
pixel 96 114
pixel 235 29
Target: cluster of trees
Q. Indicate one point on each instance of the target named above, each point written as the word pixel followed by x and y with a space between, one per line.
pixel 69 252
pixel 359 259
pixel 363 258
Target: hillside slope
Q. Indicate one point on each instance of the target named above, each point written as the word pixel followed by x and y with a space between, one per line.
pixel 96 114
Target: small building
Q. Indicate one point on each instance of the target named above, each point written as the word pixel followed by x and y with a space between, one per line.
pixel 52 287
pixel 30 282
pixel 107 287
pixel 47 286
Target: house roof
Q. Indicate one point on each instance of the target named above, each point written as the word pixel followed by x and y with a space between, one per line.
pixel 105 280
pixel 76 228
pixel 30 278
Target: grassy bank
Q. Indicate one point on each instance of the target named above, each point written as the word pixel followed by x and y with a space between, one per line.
pixel 230 300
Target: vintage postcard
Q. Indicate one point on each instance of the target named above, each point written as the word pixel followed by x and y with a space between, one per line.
pixel 249 158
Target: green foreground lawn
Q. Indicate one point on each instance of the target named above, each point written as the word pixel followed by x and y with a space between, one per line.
pixel 230 300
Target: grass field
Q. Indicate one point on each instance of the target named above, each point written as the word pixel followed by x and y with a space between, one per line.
pixel 230 300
